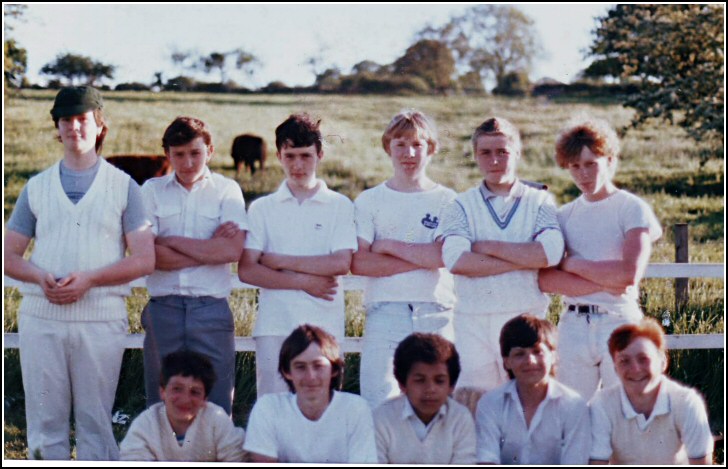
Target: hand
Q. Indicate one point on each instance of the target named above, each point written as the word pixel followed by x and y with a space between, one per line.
pixel 272 260
pixel 229 229
pixel 320 287
pixel 73 287
pixel 48 283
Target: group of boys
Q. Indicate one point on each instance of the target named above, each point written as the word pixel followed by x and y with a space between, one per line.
pixel 503 241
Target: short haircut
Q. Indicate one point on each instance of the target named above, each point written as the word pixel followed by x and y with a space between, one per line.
pixel 188 363
pixel 526 330
pixel 497 126
pixel 595 134
pixel 299 130
pixel 100 122
pixel 407 122
pixel 425 348
pixel 183 130
pixel 299 340
pixel 624 335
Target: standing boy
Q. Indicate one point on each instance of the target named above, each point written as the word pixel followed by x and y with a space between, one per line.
pixel 83 214
pixel 301 238
pixel 496 237
pixel 199 219
pixel 408 289
pixel 184 426
pixel 532 419
pixel 609 234
pixel 425 425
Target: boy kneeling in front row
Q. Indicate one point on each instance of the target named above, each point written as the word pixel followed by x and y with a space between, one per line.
pixel 532 419
pixel 425 425
pixel 184 426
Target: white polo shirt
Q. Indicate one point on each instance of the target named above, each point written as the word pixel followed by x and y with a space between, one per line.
pixel 320 225
pixel 175 211
pixel 559 432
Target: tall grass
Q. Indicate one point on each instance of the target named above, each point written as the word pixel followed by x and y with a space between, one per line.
pixel 658 163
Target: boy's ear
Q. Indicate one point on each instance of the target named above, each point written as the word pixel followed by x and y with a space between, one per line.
pixel 402 388
pixel 162 392
pixel 210 150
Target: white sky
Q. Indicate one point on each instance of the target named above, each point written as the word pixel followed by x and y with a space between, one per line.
pixel 139 38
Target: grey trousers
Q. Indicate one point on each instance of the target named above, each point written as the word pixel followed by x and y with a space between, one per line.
pixel 201 324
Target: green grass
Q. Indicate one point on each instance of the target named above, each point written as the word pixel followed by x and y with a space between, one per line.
pixel 658 163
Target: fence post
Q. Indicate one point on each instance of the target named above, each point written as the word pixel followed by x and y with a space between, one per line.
pixel 681 256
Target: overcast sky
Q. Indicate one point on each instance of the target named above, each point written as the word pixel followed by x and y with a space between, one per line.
pixel 139 39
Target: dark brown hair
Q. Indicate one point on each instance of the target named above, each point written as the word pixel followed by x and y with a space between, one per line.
pixel 299 130
pixel 299 340
pixel 526 330
pixel 183 130
pixel 425 348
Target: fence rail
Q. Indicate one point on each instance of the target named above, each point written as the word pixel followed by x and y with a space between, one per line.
pixel 353 282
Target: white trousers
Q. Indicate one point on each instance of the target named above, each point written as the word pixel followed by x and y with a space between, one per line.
pixel 69 364
pixel 477 339
pixel 387 324
pixel 583 350
pixel 268 379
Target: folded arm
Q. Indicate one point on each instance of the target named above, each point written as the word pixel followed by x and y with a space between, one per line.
pixel 424 255
pixel 251 271
pixel 618 273
pixel 336 263
pixel 372 264
pixel 225 245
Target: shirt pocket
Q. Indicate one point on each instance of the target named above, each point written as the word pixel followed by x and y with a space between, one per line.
pixel 207 220
pixel 169 220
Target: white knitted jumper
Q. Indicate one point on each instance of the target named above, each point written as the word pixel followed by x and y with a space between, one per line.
pixel 511 292
pixel 81 237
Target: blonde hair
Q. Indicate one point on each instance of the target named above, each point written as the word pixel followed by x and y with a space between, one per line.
pixel 411 121
pixel 587 131
pixel 497 126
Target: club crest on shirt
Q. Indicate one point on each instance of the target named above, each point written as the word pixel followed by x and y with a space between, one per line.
pixel 430 223
pixel 318 226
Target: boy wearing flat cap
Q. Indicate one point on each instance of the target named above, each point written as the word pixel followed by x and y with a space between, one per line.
pixel 83 215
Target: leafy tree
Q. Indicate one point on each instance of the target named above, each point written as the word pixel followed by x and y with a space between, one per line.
pixel 471 83
pixel 365 66
pixel 75 67
pixel 491 40
pixel 15 57
pixel 430 60
pixel 15 63
pixel 513 84
pixel 218 62
pixel 676 54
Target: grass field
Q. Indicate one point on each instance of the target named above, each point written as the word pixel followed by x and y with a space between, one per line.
pixel 658 163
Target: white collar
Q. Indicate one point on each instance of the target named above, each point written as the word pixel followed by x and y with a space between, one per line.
pixel 322 195
pixel 517 190
pixel 662 405
pixel 205 179
pixel 408 412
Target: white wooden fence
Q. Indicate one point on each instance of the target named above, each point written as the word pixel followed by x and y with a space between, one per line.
pixel 352 282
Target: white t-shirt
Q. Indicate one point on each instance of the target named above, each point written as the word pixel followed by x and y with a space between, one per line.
pixel 558 433
pixel 383 213
pixel 321 225
pixel 175 211
pixel 596 231
pixel 343 434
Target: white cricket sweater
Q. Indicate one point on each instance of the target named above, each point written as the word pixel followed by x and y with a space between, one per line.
pixel 78 237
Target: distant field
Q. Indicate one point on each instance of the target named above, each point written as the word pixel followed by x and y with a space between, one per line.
pixel 658 163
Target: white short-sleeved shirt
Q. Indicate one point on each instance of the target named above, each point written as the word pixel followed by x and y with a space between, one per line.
pixel 677 429
pixel 383 213
pixel 343 434
pixel 320 225
pixel 175 211
pixel 596 231
pixel 558 434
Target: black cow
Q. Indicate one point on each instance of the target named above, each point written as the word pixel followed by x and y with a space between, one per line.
pixel 246 150
pixel 141 167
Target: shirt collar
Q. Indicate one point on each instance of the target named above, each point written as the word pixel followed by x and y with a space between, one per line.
pixel 662 404
pixel 322 195
pixel 516 191
pixel 206 179
pixel 408 412
pixel 554 391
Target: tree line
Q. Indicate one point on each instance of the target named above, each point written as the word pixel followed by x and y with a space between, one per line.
pixel 667 61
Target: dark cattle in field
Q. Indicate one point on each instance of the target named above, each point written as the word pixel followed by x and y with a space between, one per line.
pixel 246 150
pixel 141 167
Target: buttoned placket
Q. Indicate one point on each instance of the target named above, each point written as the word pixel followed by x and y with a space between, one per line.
pixel 535 421
pixel 190 204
